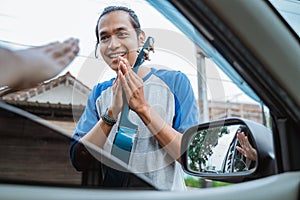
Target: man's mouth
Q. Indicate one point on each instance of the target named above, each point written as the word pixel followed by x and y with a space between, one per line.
pixel 116 55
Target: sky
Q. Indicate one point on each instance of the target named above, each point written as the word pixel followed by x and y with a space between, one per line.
pixel 34 22
pixel 26 23
pixel 290 10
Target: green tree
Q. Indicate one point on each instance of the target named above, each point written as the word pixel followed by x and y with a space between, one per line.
pixel 200 148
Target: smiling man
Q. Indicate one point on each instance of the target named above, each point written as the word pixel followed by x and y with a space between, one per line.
pixel 161 103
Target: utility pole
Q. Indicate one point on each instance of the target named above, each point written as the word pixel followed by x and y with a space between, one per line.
pixel 202 97
pixel 202 87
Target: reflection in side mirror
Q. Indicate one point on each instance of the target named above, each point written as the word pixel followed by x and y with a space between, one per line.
pixel 230 150
pixel 215 150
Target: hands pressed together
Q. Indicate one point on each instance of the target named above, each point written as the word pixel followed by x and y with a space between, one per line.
pixel 132 86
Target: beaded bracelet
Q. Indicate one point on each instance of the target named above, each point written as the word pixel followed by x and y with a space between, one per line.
pixel 107 119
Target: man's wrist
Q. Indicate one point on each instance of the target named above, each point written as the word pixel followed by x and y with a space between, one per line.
pixel 145 113
pixel 108 118
pixel 110 113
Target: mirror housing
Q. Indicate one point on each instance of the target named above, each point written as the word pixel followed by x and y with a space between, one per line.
pixel 210 134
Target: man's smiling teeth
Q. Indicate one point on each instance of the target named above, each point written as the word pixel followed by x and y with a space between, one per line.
pixel 116 55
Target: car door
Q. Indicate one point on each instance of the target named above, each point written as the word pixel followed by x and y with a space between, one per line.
pixel 253 38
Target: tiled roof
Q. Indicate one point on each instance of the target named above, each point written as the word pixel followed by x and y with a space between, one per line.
pixel 24 95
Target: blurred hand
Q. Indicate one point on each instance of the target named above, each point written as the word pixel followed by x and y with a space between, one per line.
pixel 28 67
pixel 246 149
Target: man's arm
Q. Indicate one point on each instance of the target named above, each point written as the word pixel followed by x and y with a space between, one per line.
pixel 133 87
pixel 166 135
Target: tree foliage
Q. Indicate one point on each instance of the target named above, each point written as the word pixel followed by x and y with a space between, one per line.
pixel 201 146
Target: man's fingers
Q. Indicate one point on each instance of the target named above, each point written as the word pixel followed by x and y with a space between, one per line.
pixel 122 67
pixel 132 79
pixel 125 86
pixel 241 150
pixel 240 136
pixel 116 85
pixel 247 143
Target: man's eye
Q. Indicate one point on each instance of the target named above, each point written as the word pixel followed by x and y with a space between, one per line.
pixel 122 34
pixel 104 38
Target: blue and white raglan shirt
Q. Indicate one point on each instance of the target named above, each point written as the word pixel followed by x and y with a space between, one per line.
pixel 170 94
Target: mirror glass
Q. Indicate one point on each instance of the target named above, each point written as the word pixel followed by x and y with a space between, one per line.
pixel 222 149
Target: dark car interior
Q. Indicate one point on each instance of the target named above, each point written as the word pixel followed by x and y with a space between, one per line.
pixel 35 152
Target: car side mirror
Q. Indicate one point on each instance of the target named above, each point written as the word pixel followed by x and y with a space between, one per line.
pixel 231 150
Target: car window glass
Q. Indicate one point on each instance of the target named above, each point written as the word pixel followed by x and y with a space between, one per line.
pixel 30 152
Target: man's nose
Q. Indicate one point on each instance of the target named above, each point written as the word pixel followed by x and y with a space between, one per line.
pixel 114 42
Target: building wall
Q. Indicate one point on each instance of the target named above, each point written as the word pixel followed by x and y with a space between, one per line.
pixel 219 110
pixel 32 152
pixel 63 94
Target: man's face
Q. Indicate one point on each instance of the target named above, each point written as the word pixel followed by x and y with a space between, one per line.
pixel 117 38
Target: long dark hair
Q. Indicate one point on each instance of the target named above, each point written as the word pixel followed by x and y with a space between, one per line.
pixel 133 19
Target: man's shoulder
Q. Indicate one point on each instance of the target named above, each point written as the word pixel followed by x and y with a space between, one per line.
pixel 166 73
pixel 100 87
pixel 174 79
pixel 171 76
